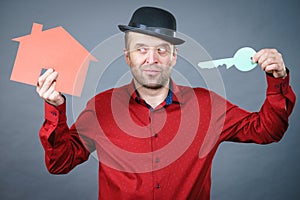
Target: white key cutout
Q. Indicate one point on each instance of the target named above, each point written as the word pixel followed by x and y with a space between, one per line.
pixel 242 60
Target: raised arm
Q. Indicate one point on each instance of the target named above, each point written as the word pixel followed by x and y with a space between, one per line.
pixel 63 146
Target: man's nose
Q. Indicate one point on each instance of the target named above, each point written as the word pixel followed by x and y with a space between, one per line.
pixel 152 57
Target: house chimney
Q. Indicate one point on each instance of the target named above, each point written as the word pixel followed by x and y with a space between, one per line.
pixel 36 28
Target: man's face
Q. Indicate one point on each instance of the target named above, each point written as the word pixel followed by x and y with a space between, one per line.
pixel 150 59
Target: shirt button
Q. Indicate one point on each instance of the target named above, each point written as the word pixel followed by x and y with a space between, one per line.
pixel 157 160
pixel 53 113
pixel 155 135
pixel 157 186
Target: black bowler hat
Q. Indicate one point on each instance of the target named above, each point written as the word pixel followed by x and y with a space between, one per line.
pixel 155 22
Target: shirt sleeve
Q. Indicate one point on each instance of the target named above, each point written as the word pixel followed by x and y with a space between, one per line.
pixel 64 148
pixel 269 124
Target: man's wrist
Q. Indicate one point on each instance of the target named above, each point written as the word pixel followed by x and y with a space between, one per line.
pixel 285 74
pixel 277 85
pixel 55 113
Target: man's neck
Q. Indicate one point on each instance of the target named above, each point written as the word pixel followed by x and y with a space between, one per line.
pixel 153 97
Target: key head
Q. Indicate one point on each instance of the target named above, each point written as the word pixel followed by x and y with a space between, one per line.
pixel 243 59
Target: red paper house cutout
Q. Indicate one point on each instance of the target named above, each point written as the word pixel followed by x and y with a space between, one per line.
pixel 52 48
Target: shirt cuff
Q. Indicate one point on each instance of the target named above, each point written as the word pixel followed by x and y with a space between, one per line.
pixel 278 85
pixel 55 114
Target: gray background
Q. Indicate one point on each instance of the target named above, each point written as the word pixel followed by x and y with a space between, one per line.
pixel 240 171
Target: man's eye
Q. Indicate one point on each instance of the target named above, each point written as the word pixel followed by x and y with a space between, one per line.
pixel 162 50
pixel 142 50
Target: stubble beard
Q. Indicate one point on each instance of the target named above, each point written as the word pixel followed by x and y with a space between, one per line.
pixel 152 82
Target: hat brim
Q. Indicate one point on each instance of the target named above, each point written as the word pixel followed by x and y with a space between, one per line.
pixel 172 40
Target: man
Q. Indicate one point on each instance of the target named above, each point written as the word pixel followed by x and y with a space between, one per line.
pixel 156 139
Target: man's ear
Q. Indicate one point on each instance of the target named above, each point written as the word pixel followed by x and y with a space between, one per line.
pixel 174 58
pixel 127 56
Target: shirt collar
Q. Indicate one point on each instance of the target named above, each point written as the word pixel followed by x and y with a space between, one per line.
pixel 175 95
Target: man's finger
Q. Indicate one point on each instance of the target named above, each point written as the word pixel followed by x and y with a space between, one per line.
pixel 257 55
pixel 269 61
pixel 271 68
pixel 44 76
pixel 48 92
pixel 47 83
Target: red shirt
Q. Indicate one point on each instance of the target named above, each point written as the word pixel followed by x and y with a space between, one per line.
pixel 161 153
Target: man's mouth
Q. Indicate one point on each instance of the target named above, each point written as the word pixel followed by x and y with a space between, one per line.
pixel 151 72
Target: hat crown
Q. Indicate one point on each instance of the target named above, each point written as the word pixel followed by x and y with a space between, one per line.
pixel 154 22
pixel 153 17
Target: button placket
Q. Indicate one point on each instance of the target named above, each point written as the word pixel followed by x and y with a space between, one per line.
pixel 154 139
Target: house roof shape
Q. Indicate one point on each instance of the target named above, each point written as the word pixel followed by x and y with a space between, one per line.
pixel 52 48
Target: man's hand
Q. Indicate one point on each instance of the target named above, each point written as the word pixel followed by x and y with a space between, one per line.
pixel 271 61
pixel 46 88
